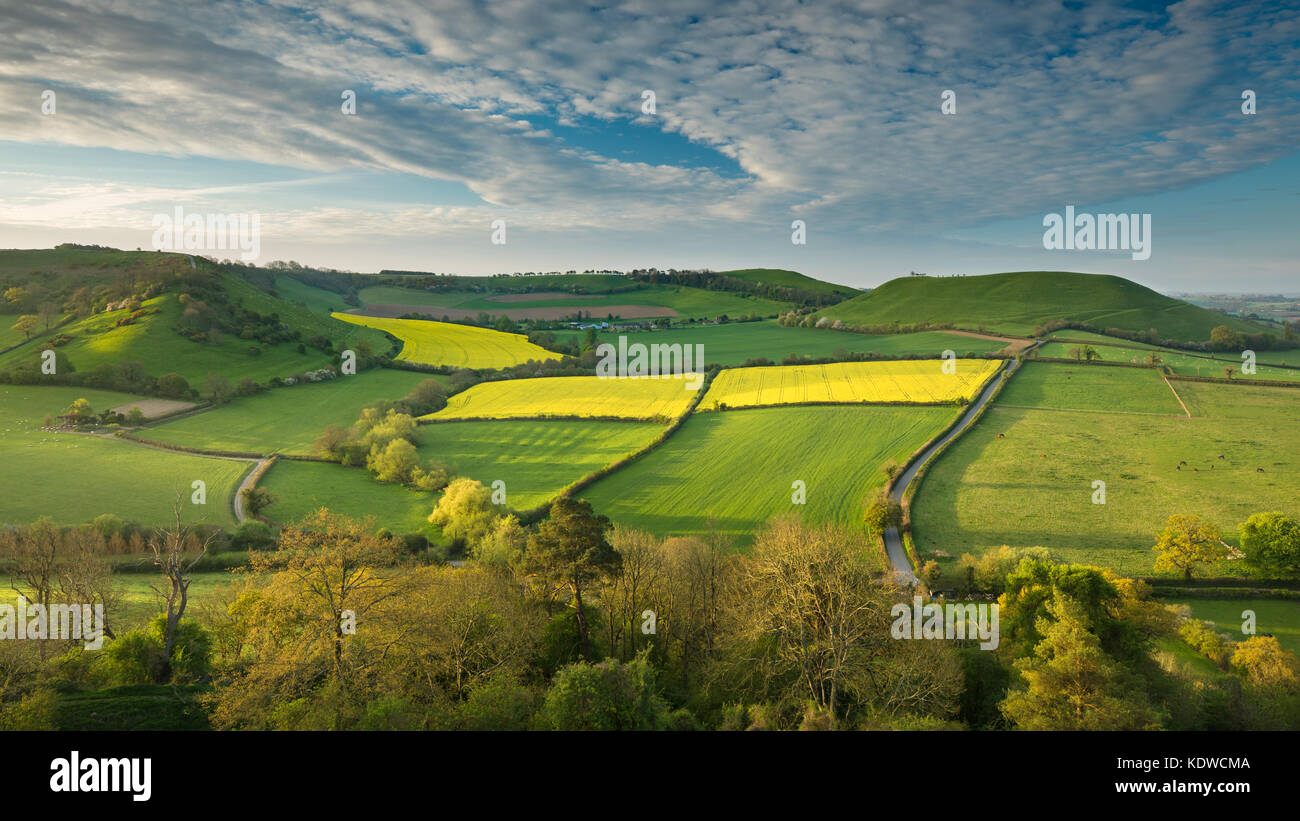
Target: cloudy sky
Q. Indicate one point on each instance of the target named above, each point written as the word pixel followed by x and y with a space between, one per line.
pixel 764 113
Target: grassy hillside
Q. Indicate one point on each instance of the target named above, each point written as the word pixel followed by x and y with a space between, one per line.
pixel 152 338
pixel 789 279
pixel 1017 302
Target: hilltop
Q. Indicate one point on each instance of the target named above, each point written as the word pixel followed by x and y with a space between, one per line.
pixel 1018 302
pixel 103 311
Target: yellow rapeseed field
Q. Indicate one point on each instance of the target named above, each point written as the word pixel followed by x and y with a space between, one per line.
pixel 446 343
pixel 919 380
pixel 570 396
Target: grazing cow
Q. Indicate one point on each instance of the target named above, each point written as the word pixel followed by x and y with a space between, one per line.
pixel 1198 470
pixel 1220 455
pixel 1182 463
pixel 1259 470
pixel 1000 435
pixel 1180 467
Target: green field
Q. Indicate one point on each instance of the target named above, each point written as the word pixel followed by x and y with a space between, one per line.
pixel 534 459
pixel 287 420
pixel 732 343
pixel 1279 617
pixel 313 299
pixel 690 302
pixel 73 478
pixel 153 341
pixel 302 488
pixel 1180 362
pixel 1017 302
pixel 1034 486
pixel 736 470
pixel 1090 387
pixel 1240 401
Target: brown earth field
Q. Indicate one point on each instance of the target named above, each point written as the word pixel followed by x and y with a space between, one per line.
pixel 153 408
pixel 391 311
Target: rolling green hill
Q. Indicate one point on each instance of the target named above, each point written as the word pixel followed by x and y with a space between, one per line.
pixel 789 279
pixel 1017 302
pixel 186 320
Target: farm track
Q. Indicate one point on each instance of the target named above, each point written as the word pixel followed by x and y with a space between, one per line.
pixel 893 539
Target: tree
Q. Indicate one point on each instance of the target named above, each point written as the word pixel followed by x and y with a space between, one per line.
pixel 1224 338
pixel 1154 358
pixel 47 311
pixel 807 619
pixel 393 463
pixel 881 514
pixel 1187 543
pixel 570 550
pixel 25 325
pixel 257 499
pixel 611 695
pixel 1229 371
pixel 218 388
pixel 1072 683
pixel 1271 542
pixel 1090 353
pixel 16 295
pixel 173 385
pixel 465 511
pixel 169 546
pixel 1266 664
pixel 80 408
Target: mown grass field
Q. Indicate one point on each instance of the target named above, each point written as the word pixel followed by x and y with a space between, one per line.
pixel 287 420
pixel 921 380
pixel 534 458
pixel 446 343
pixel 1180 362
pixel 152 340
pixel 1279 617
pixel 732 343
pixel 1090 387
pixel 302 488
pixel 735 471
pixel 73 478
pixel 1034 486
pixel 578 396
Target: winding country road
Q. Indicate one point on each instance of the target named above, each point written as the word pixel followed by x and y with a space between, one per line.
pixel 894 540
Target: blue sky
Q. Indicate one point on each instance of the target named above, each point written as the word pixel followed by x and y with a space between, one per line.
pixel 532 113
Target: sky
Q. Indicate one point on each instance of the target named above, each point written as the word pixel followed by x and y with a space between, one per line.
pixel 535 114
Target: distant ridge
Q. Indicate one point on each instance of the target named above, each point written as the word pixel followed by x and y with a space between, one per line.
pixel 1017 302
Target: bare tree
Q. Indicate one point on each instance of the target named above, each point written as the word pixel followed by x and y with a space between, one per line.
pixel 169 546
